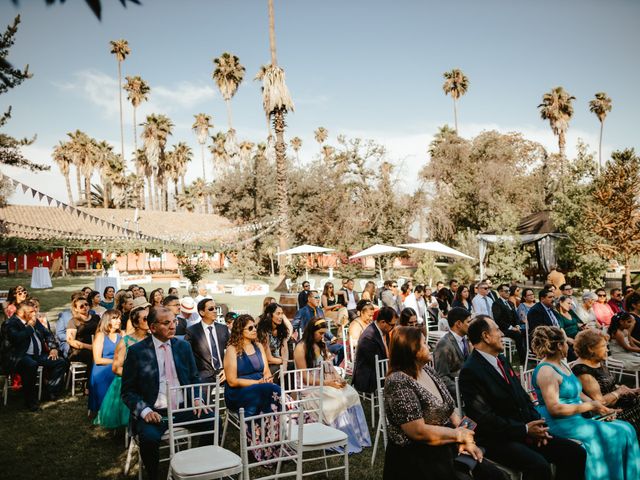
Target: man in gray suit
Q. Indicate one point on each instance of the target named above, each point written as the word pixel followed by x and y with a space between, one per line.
pixel 390 297
pixel 453 348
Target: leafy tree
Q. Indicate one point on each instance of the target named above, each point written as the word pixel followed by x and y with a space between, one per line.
pixel 201 127
pixel 244 264
pixel 507 262
pixel 426 272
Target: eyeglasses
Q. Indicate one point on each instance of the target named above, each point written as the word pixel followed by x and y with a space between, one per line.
pixel 601 295
pixel 317 298
pixel 395 285
pixel 211 309
pixel 250 328
pixel 167 323
pixel 18 292
pixel 83 305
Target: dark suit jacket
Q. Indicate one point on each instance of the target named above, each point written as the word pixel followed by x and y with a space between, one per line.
pixel 19 336
pixel 196 337
pixel 141 378
pixel 500 409
pixel 448 360
pixel 504 316
pixel 370 344
pixel 538 316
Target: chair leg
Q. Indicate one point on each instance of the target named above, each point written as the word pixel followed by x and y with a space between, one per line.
pixel 40 379
pixel 375 444
pixel 346 462
pixel 73 382
pixel 224 428
pixel 127 463
pixel 326 464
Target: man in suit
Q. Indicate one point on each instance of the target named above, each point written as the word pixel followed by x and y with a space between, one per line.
pixel 302 296
pixel 348 297
pixel 33 346
pixel 453 348
pixel 152 364
pixel 542 312
pixel 451 291
pixel 504 314
pixel 509 427
pixel 373 341
pixel 208 340
pixel 390 297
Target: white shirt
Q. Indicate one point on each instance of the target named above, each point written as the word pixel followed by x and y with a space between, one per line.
pixel 418 305
pixel 459 340
pixel 191 318
pixel 482 307
pixel 205 328
pixel 351 300
pixel 492 360
pixel 161 402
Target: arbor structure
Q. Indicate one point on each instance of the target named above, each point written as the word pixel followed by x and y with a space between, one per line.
pixel 120 48
pixel 137 92
pixel 600 106
pixel 201 127
pixel 455 84
pixel 557 108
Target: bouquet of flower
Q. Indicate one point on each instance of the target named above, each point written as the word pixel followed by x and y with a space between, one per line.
pixel 194 272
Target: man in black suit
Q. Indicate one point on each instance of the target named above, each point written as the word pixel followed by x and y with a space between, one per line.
pixel 509 427
pixel 504 314
pixel 542 312
pixel 451 291
pixel 208 340
pixel 33 346
pixel 453 348
pixel 373 341
pixel 152 364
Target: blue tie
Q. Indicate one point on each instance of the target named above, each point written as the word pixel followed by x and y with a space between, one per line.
pixel 36 348
pixel 214 349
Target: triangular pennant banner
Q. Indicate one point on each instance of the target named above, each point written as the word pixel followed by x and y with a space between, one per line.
pixel 40 195
pixel 33 193
pixel 49 199
pixel 24 187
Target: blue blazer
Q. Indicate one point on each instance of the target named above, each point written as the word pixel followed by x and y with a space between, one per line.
pixel 141 378
pixel 19 336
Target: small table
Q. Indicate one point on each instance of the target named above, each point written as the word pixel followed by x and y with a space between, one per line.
pixel 103 282
pixel 40 277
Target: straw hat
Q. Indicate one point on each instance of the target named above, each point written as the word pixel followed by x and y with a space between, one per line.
pixel 188 305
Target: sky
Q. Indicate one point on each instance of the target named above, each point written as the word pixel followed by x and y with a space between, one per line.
pixel 366 68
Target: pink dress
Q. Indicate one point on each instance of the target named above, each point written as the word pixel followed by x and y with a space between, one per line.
pixel 603 313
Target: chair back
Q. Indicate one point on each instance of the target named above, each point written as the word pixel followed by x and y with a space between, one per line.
pixel 458 396
pixel 526 380
pixel 616 367
pixel 303 388
pixel 186 396
pixel 349 351
pixel 382 365
pixel 279 432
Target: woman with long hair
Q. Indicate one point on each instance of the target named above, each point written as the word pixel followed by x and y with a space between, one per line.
pixel 461 299
pixel 622 345
pixel 16 295
pixel 124 306
pixel 104 347
pixel 155 297
pixel 612 447
pixel 369 292
pixel 514 295
pixel 341 406
pixel 602 309
pixel 527 301
pixel 113 412
pixel 108 298
pixel 567 318
pixel 333 309
pixel 273 335
pixel 94 299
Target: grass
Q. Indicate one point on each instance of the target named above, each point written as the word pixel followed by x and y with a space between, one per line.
pixel 60 442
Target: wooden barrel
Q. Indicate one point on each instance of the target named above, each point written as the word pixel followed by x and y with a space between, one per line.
pixel 289 303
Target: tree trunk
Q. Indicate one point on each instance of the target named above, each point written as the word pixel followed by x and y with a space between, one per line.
pixel 166 196
pixel 87 190
pixel 627 271
pixel 281 181
pixel 175 192
pixel 120 97
pixel 561 143
pixel 182 182
pixel 67 181
pixel 455 116
pixel 204 175
pixel 600 148
pixel 135 135
pixel 272 34
pixel 105 193
pixel 79 182
pixel 228 102
pixel 150 182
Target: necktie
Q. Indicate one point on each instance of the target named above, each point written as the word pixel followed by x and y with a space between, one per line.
pixel 465 347
pixel 554 320
pixel 36 347
pixel 170 374
pixel 501 367
pixel 214 348
pixel 486 304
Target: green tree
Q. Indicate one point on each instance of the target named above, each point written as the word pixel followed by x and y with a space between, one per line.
pixel 455 84
pixel 600 106
pixel 201 127
pixel 120 48
pixel 244 264
pixel 557 108
pixel 137 92
pixel 228 76
pixel 156 130
pixel 63 159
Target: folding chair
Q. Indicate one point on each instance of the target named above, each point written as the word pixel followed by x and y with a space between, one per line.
pixel 458 396
pixel 303 388
pixel 526 380
pixel 77 374
pixel 530 355
pixel 281 432
pixel 616 367
pixel 381 373
pixel 349 351
pixel 204 462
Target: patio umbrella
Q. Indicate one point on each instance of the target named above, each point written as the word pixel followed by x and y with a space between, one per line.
pixel 305 249
pixel 439 249
pixel 377 250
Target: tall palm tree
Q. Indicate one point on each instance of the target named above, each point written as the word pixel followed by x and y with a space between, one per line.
pixel 83 152
pixel 186 200
pixel 321 134
pixel 455 84
pixel 556 107
pixel 181 155
pixel 296 144
pixel 199 189
pixel 120 48
pixel 201 128
pixel 277 102
pixel 137 92
pixel 62 156
pixel 327 152
pixel 600 106
pixel 245 151
pixel 260 77
pixel 104 162
pixel 217 149
pixel 156 130
pixel 143 170
pixel 228 76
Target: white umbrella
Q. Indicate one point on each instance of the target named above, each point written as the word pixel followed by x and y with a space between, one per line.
pixel 439 249
pixel 305 249
pixel 377 250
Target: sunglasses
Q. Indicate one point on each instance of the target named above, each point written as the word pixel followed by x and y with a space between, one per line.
pixel 250 328
pixel 83 305
pixel 211 309
pixel 601 295
pixel 395 285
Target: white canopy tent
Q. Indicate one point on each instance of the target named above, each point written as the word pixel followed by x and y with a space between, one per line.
pixel 305 249
pixel 377 250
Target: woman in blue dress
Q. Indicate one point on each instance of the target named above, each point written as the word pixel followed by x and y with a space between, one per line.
pixel 104 347
pixel 612 446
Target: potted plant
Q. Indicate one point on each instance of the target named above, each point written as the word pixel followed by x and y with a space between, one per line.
pixel 40 260
pixel 194 272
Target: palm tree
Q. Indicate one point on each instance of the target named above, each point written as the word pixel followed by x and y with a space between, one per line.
pixel 156 130
pixel 181 155
pixel 137 92
pixel 260 77
pixel 321 135
pixel 143 170
pixel 63 158
pixel 557 108
pixel 327 152
pixel 201 128
pixel 186 200
pixel 296 144
pixel 245 151
pixel 199 189
pixel 220 156
pixel 120 48
pixel 228 76
pixel 276 101
pixel 83 152
pixel 455 84
pixel 601 105
pixel 104 162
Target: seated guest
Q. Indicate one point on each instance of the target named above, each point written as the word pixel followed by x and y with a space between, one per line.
pixel 416 302
pixel 156 297
pixel 42 318
pixel 63 321
pixel 229 318
pixel 80 331
pixel 124 305
pixel 602 309
pixel 202 293
pixel 509 426
pixel 405 290
pixel 365 311
pixel 188 315
pixel 113 412
pixel 567 319
pixel 94 300
pixel 452 350
pixel 373 341
pixel 369 292
pixel 461 299
pixel 408 317
pixel 152 364
pixel 173 291
pixel 333 310
pixel 172 304
pixel 504 314
pixel 249 384
pixel 138 302
pixel 425 436
pixel 208 340
pixel 390 297
pixel 32 346
pixel 287 322
pixel 273 335
pixel 615 300
pixel 304 293
pixel 86 291
pixel 340 402
pixel 104 347
pixel 584 309
pixel 15 295
pixel 598 383
pixel 542 312
pixel 612 447
pixel 622 345
pixel 349 297
pixel 527 301
pixel 483 301
pixel 108 298
pixel 311 311
pixel 140 292
pixel 632 302
pixel 514 295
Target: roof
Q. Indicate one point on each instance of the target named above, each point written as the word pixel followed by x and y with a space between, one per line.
pixel 32 222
